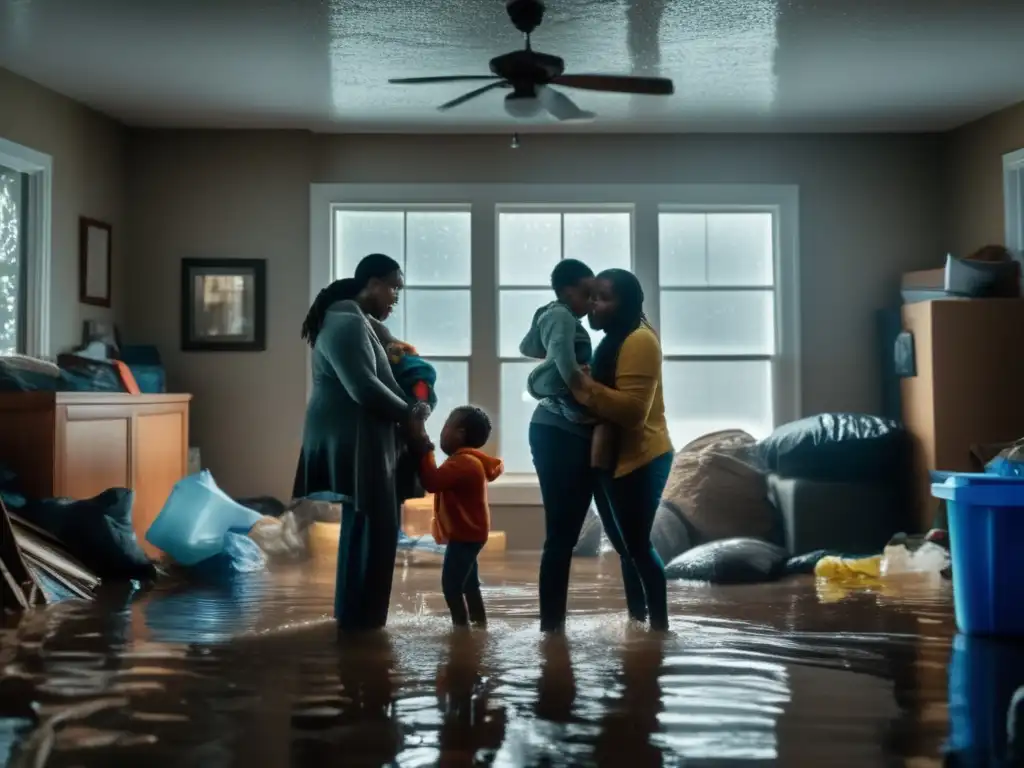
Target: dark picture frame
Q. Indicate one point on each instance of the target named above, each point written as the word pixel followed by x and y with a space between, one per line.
pixel 223 305
pixel 95 242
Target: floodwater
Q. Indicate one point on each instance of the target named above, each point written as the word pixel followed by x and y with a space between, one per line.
pixel 252 673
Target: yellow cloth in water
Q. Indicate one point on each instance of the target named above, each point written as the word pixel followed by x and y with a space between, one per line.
pixel 845 569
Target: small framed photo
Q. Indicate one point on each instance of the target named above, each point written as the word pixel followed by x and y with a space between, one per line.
pixel 224 305
pixel 94 240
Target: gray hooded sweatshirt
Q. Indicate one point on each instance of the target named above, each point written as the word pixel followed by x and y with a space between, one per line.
pixel 558 339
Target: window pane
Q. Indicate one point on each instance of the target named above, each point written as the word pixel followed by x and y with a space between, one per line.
pixel 600 240
pixel 516 410
pixel 718 322
pixel 529 246
pixel 515 313
pixel 703 397
pixel 359 233
pixel 437 248
pixel 10 259
pixel 452 390
pixel 740 249
pixel 438 322
pixel 682 249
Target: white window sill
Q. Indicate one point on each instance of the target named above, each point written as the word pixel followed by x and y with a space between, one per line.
pixel 515 490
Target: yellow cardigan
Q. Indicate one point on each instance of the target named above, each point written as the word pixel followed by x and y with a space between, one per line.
pixel 636 405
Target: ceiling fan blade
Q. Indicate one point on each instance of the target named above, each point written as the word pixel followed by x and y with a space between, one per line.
pixel 561 106
pixel 439 79
pixel 471 95
pixel 652 86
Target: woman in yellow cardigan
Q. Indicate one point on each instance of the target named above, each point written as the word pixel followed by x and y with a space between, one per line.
pixel 626 394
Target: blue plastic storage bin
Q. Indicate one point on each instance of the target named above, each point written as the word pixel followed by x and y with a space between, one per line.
pixel 986 694
pixel 986 528
pixel 195 519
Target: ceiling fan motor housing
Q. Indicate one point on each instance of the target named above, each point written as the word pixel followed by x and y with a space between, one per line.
pixel 527 67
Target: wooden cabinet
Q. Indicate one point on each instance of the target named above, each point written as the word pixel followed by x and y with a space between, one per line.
pixel 969 387
pixel 77 444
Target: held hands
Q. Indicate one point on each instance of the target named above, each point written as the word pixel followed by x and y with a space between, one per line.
pixel 419 442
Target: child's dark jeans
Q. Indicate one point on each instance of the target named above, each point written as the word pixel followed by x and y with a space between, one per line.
pixel 460 582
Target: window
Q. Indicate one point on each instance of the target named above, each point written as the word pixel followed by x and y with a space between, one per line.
pixel 718 321
pixel 718 264
pixel 530 244
pixel 433 314
pixel 13 194
pixel 1013 201
pixel 26 179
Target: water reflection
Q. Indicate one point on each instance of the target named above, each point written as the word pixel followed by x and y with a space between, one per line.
pixel 252 672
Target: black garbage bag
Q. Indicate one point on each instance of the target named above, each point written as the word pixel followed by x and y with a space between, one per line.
pixel 96 531
pixel 589 542
pixel 730 561
pixel 838 447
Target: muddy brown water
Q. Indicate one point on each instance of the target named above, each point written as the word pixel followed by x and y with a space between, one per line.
pixel 252 673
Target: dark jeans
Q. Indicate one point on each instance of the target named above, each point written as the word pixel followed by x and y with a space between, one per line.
pixel 366 566
pixel 634 500
pixel 568 484
pixel 460 582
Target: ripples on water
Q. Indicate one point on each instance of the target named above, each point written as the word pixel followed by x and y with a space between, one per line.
pixel 252 674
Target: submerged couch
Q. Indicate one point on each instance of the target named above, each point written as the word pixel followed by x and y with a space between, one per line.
pixel 836 481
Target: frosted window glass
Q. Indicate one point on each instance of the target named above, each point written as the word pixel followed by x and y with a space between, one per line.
pixel 718 322
pixel 529 247
pixel 682 249
pixel 600 240
pixel 517 408
pixel 452 390
pixel 438 249
pixel 360 233
pixel 438 322
pixel 740 249
pixel 703 397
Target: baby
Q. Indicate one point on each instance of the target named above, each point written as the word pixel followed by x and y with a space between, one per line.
pixel 557 337
pixel 462 517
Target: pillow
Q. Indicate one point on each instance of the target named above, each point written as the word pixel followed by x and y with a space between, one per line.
pixel 730 561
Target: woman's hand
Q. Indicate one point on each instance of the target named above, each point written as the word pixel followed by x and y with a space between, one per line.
pixel 581 380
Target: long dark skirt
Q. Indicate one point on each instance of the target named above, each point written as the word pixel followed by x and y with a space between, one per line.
pixel 366 566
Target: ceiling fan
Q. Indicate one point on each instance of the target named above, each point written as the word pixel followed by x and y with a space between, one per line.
pixel 530 74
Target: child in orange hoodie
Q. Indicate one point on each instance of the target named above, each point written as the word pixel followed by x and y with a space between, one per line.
pixel 462 517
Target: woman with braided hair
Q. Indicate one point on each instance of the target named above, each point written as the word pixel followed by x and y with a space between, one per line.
pixel 352 435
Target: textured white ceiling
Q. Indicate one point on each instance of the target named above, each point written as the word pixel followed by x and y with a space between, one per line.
pixel 738 65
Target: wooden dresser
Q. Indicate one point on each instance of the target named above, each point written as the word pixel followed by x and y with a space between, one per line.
pixel 969 387
pixel 77 444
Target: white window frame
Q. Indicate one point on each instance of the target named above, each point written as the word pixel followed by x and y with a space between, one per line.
pixel 1013 200
pixel 38 170
pixel 647 200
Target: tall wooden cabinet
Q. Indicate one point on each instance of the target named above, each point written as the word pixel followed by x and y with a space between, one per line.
pixel 77 444
pixel 969 387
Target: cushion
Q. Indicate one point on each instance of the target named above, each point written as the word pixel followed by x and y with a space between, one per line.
pixel 718 492
pixel 838 447
pixel 730 561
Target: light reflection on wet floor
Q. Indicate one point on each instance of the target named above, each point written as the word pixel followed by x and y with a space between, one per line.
pixel 253 674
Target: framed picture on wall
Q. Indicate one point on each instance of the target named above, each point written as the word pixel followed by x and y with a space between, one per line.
pixel 94 242
pixel 224 305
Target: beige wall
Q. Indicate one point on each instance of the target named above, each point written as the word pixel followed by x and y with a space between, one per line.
pixel 88 152
pixel 871 207
pixel 974 160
